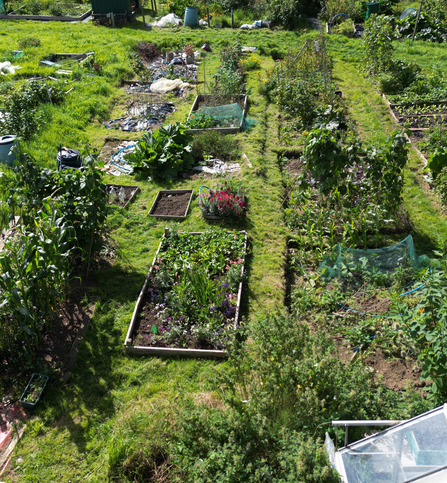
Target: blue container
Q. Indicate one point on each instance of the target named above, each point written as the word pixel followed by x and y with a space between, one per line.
pixel 191 19
pixel 31 405
pixel 7 154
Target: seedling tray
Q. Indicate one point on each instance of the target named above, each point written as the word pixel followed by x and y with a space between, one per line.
pixel 167 351
pixel 224 130
pixel 29 405
pixel 170 195
pixel 133 189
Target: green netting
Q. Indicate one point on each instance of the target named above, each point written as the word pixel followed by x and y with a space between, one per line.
pixel 2 8
pixel 230 115
pixel 345 262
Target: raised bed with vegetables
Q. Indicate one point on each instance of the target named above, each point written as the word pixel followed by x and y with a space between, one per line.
pixel 191 297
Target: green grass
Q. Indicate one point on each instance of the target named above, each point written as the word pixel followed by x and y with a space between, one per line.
pixel 112 399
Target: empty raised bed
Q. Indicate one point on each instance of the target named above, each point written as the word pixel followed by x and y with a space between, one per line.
pixel 58 12
pixel 171 204
pixel 228 112
pixel 121 195
pixel 191 296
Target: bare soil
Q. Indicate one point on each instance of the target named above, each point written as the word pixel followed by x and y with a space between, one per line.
pixel 171 204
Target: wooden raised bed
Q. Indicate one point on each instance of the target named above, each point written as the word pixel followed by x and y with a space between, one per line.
pixel 169 199
pixel 168 351
pixel 130 191
pixel 240 98
pixel 15 16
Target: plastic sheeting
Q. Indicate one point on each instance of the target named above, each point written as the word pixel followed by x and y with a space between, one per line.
pixel 171 18
pixel 7 68
pixel 163 86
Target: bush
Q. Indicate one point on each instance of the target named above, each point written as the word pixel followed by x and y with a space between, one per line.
pixel 278 395
pixel 401 75
pixel 354 9
pixel 215 145
pixel 377 45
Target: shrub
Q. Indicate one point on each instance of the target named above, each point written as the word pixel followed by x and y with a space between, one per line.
pixel 251 63
pixel 56 9
pixel 354 9
pixel 215 145
pixel 400 75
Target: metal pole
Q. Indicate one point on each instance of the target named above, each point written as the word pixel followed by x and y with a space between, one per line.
pixel 368 422
pixel 417 20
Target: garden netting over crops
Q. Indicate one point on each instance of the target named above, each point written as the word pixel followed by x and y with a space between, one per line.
pixel 345 262
pixel 229 115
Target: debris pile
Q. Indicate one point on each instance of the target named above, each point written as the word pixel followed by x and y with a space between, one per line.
pixel 141 118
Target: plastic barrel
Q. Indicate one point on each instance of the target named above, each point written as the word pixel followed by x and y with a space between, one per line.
pixel 372 8
pixel 6 144
pixel 191 19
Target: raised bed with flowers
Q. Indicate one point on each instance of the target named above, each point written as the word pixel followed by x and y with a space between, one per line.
pixel 227 201
pixel 191 298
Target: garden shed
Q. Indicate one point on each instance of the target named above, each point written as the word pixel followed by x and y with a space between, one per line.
pixel 411 451
pixel 119 8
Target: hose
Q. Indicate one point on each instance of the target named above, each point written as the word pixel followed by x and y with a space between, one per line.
pixel 117 155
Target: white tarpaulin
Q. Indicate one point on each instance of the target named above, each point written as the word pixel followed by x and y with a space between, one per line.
pixel 172 18
pixel 7 68
pixel 167 85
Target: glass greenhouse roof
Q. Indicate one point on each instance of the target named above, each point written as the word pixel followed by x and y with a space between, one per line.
pixel 413 450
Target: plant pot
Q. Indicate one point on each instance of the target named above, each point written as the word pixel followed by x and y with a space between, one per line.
pixel 36 392
pixel 169 55
pixel 190 60
pixel 7 153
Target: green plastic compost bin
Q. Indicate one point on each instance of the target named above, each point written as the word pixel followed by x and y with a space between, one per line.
pixel 372 8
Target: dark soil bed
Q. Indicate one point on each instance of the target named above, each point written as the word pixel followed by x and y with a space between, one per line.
pixel 145 327
pixel 171 204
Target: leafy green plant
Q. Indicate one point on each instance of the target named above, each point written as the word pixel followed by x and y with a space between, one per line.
pixel 441 185
pixel 427 29
pixel 377 45
pixel 29 42
pixel 199 120
pixel 163 153
pixel 35 268
pixel 346 27
pixel 437 160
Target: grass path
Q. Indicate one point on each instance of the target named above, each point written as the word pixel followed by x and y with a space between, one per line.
pixel 374 123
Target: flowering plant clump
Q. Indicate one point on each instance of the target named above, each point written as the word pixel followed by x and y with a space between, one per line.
pixel 228 200
pixel 192 295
